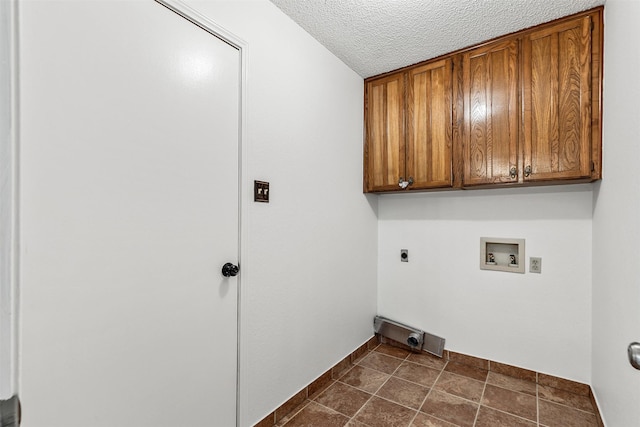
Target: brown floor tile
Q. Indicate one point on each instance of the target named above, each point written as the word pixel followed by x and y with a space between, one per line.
pixel 365 379
pixel 554 415
pixel 354 423
pixel 320 384
pixel 520 404
pixel 291 404
pixel 566 398
pixel 267 421
pixel 385 340
pixel 450 408
pixel 460 386
pixel 513 371
pixel 392 351
pixel 512 383
pixel 380 362
pixel 359 353
pixel 314 415
pixel 403 392
pixel 465 359
pixel 467 371
pixel 427 359
pixel 373 342
pixel 382 413
pixel 417 373
pixel 488 417
pixel 343 398
pixel 561 383
pixel 424 420
pixel 341 367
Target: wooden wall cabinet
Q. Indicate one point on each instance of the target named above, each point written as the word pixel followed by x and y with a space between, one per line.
pixel 523 109
pixel 409 129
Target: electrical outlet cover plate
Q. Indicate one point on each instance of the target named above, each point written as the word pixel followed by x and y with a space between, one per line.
pixel 535 265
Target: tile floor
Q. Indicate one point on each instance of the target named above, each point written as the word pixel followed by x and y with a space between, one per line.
pixel 390 387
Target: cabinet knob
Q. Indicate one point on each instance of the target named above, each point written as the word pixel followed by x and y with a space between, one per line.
pixel 513 172
pixel 404 184
pixel 527 170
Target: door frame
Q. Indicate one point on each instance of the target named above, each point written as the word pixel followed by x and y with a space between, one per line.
pixel 9 225
pixel 204 22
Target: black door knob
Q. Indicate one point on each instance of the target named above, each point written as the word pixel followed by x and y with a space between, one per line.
pixel 230 270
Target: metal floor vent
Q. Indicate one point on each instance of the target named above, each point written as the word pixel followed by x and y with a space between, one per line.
pixel 416 339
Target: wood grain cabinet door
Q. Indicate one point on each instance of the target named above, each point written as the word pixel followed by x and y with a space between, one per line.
pixel 384 155
pixel 490 129
pixel 557 101
pixel 429 125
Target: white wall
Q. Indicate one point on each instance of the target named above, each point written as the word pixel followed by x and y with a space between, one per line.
pixel 536 321
pixel 8 343
pixel 616 222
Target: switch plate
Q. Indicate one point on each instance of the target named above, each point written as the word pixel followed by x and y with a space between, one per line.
pixel 535 265
pixel 261 191
pixel 404 255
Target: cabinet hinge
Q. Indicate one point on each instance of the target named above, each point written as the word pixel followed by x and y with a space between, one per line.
pixel 593 166
pixel 593 26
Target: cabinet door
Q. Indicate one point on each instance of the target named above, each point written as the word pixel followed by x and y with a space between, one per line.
pixel 557 101
pixel 490 135
pixel 385 144
pixel 429 125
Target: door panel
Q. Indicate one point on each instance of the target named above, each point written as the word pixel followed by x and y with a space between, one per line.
pixel 491 114
pixel 557 99
pixel 430 125
pixel 385 149
pixel 129 208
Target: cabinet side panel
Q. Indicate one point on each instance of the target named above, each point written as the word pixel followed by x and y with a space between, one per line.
pixel 440 123
pixel 477 147
pixel 377 135
pixel 544 103
pixel 421 121
pixel 503 119
pixel 568 154
pixel 395 125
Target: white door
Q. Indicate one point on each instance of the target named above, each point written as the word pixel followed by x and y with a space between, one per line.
pixel 129 209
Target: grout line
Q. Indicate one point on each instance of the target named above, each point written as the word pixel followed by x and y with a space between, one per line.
pixel 331 409
pixel 475 420
pixel 431 388
pixel 374 393
pixel 292 414
pixel 537 403
pixel 510 414
pixel 568 406
pixel 382 385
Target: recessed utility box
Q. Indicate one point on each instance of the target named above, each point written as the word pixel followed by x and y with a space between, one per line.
pixel 500 254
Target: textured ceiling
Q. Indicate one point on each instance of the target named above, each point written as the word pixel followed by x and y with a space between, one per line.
pixel 375 36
